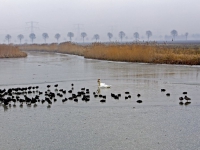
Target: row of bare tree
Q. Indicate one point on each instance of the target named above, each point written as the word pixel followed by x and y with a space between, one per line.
pixel 32 36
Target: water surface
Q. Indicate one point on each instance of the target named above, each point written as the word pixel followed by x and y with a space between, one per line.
pixel 158 123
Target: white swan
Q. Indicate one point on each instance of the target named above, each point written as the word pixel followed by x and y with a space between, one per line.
pixel 102 85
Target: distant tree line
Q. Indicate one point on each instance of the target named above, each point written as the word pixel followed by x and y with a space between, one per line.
pixel 122 35
pixel 174 36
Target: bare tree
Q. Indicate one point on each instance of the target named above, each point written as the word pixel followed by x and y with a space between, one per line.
pixel 110 35
pixel 70 35
pixel 45 36
pixel 32 36
pixel 186 35
pixel 149 34
pixel 8 37
pixel 136 35
pixel 83 35
pixel 57 36
pixel 97 37
pixel 20 37
pixel 121 35
pixel 174 33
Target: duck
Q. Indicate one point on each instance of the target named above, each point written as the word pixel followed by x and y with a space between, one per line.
pixel 187 98
pixel 103 101
pixel 180 98
pixel 139 101
pixel 103 85
pixel 163 90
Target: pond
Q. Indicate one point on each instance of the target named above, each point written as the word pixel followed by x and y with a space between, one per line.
pixel 159 122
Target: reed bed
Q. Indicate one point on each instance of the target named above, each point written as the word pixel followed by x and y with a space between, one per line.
pixel 40 47
pixel 66 48
pixel 146 53
pixel 186 55
pixel 10 51
pixel 71 48
pixel 131 52
pixel 113 52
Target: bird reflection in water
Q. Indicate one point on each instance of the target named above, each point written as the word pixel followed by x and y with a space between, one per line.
pixel 98 91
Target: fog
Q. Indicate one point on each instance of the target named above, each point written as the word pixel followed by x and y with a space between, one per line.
pixel 98 17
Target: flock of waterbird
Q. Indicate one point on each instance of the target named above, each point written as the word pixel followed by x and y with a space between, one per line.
pixel 182 98
pixel 31 95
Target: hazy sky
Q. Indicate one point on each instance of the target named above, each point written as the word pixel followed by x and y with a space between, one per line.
pixel 98 16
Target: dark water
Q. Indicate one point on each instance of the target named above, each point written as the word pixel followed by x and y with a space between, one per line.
pixel 158 123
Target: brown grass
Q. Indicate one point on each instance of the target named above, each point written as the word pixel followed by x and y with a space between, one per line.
pixel 130 53
pixel 40 47
pixel 71 48
pixel 188 55
pixel 10 51
pixel 66 47
pixel 147 53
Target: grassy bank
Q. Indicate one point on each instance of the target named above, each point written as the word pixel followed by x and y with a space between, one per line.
pixel 10 51
pixel 147 53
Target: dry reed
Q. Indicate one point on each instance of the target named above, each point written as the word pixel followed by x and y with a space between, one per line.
pixel 66 47
pixel 147 53
pixel 130 53
pixel 10 51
